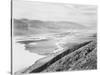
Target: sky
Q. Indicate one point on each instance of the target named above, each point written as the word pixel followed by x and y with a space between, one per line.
pixel 83 14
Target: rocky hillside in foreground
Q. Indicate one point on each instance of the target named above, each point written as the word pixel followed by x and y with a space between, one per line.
pixel 80 57
pixel 83 58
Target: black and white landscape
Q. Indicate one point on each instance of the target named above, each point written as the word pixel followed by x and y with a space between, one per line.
pixel 53 37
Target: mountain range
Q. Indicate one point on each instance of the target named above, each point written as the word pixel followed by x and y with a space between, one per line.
pixel 28 27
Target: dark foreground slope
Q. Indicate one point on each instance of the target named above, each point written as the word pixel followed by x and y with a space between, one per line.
pixel 80 57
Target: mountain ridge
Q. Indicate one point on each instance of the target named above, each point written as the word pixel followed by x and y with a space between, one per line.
pixel 26 26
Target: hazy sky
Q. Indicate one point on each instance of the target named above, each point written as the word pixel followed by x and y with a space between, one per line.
pixel 84 14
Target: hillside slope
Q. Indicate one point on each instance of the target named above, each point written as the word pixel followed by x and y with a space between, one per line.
pixel 80 57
